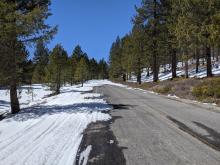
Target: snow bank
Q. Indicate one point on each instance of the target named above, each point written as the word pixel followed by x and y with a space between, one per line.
pixel 48 131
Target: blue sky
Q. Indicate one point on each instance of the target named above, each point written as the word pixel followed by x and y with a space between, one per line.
pixel 93 24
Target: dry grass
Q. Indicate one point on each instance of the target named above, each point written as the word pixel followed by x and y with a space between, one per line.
pixel 206 90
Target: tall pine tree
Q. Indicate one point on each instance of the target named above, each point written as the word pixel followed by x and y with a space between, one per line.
pixel 21 22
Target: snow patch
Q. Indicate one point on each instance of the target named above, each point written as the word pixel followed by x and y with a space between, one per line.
pixel 84 156
pixel 173 96
pixel 166 74
pixel 49 130
pixel 111 141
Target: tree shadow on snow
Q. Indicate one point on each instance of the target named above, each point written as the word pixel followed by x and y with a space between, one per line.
pixel 38 111
pixel 4 104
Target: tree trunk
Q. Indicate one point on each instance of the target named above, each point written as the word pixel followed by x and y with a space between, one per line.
pixel 209 61
pixel 148 71
pixel 139 71
pixel 15 108
pixel 82 83
pixel 155 71
pixel 124 77
pixel 58 83
pixel 155 63
pixel 139 78
pixel 197 61
pixel 186 67
pixel 174 64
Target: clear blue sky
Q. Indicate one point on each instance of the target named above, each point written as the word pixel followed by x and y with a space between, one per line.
pixel 93 24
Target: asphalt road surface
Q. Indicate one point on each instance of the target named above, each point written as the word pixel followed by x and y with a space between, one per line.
pixel 155 130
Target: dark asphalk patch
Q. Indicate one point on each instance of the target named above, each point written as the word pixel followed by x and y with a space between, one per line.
pixel 104 152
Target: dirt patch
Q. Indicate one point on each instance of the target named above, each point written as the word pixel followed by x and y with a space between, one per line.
pixel 183 88
pixel 105 149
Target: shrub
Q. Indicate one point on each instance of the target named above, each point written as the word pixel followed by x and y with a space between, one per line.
pixel 208 88
pixel 163 90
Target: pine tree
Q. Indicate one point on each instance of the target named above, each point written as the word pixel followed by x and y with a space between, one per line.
pixel 169 16
pixel 139 54
pixel 74 59
pixel 93 69
pixel 41 59
pixel 115 60
pixel 78 53
pixel 127 55
pixel 150 13
pixel 56 68
pixel 103 69
pixel 28 70
pixel 21 22
pixel 207 18
pixel 198 25
pixel 81 71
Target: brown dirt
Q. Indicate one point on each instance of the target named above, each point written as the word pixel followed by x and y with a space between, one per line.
pixel 180 87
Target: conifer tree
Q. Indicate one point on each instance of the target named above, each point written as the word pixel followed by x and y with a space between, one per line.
pixel 127 55
pixel 93 69
pixel 56 68
pixel 41 59
pixel 81 71
pixel 21 22
pixel 150 13
pixel 206 20
pixel 103 69
pixel 139 54
pixel 115 60
pixel 74 59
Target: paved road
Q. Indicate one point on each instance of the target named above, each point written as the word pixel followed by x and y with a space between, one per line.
pixel 154 130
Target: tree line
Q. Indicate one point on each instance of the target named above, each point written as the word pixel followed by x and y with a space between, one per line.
pixel 57 68
pixel 22 24
pixel 168 32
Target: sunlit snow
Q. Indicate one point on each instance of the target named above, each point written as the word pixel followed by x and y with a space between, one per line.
pixel 49 130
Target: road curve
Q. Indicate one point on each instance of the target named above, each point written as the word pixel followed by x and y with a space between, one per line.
pixel 154 130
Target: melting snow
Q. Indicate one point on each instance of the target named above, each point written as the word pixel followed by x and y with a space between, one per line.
pixel 49 130
pixel 84 156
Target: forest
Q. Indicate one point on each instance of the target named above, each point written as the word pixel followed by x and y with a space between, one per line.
pixel 166 32
pixel 23 25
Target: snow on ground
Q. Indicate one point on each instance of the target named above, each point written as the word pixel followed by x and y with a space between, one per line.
pixel 27 96
pixel 181 72
pixel 48 131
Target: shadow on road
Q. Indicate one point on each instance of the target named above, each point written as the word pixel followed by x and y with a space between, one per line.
pixel 213 137
pixel 121 106
pixel 212 140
